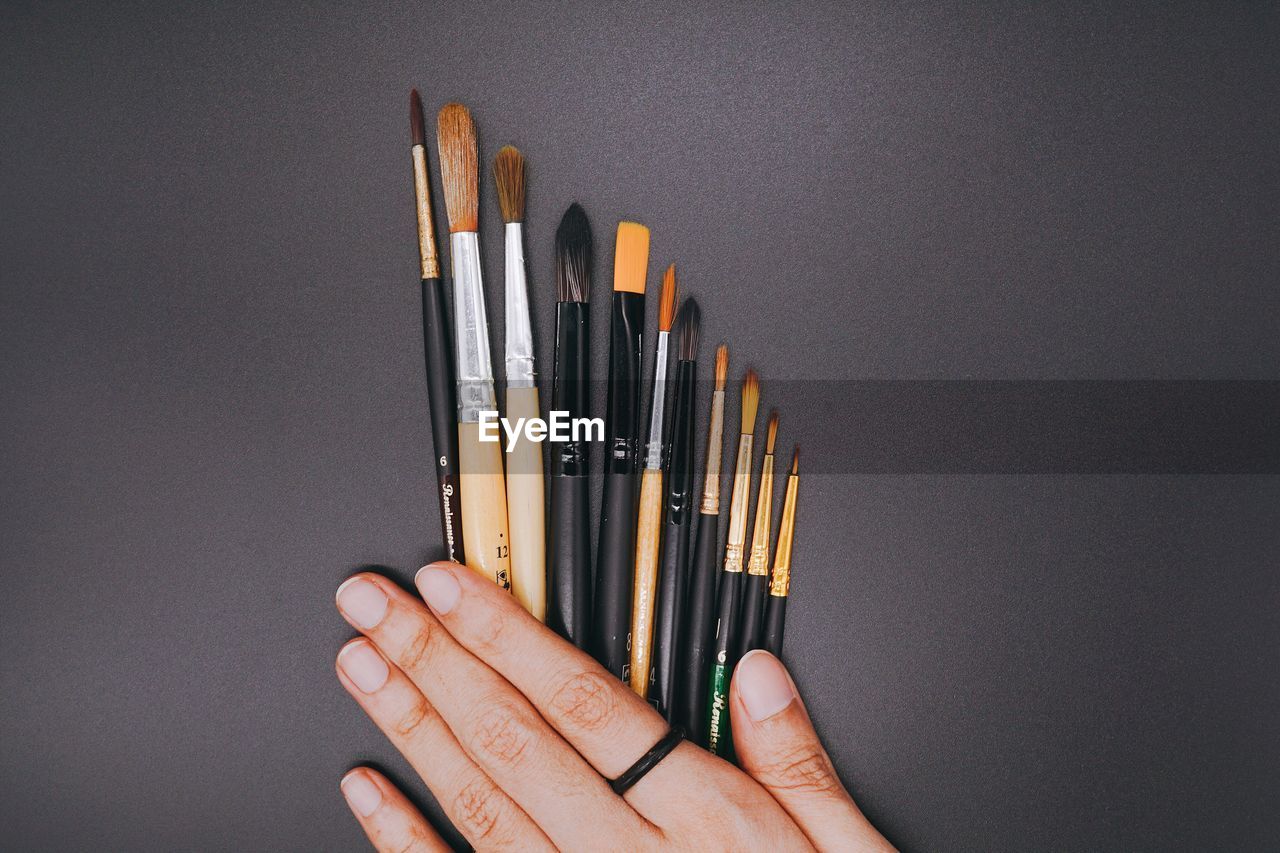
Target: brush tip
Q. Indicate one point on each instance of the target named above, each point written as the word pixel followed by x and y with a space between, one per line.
pixel 631 257
pixel 459 167
pixel 750 400
pixel 508 172
pixel 722 366
pixel 417 126
pixel 667 302
pixel 689 321
pixel 795 461
pixel 573 256
pixel 772 437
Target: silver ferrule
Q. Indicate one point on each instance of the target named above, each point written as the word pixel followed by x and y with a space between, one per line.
pixel 519 329
pixel 653 453
pixel 471 329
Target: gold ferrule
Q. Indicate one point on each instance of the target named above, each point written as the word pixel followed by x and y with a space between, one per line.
pixel 738 506
pixel 715 444
pixel 758 563
pixel 426 225
pixel 781 584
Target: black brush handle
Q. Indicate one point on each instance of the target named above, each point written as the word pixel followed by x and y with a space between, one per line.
pixel 569 607
pixel 775 618
pixel 615 565
pixel 672 587
pixel 699 623
pixel 441 388
pixel 752 615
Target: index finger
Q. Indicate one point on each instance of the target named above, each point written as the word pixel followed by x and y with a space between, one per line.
pixel 608 724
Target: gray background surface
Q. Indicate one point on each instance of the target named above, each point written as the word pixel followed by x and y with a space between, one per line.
pixel 213 401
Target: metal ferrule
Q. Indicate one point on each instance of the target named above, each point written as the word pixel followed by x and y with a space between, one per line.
pixel 475 368
pixel 781 584
pixel 715 441
pixel 657 411
pixel 738 506
pixel 758 562
pixel 519 330
pixel 427 255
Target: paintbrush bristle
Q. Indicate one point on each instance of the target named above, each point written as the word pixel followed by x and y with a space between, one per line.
pixel 750 401
pixel 459 167
pixel 688 322
pixel 417 125
pixel 772 437
pixel 795 461
pixel 508 171
pixel 631 257
pixel 722 366
pixel 667 302
pixel 573 256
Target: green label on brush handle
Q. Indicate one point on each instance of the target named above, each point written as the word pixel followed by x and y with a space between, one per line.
pixel 719 739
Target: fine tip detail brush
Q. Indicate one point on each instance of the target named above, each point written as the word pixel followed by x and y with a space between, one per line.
pixel 757 577
pixel 525 488
pixel 719 739
pixel 775 612
pixel 673 570
pixel 611 616
pixel 437 344
pixel 699 612
pixel 484 493
pixel 649 521
pixel 569 608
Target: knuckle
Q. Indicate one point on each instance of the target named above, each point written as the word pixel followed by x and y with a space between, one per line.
pixel 802 770
pixel 408 723
pixel 586 701
pixel 417 650
pixel 488 633
pixel 503 733
pixel 478 809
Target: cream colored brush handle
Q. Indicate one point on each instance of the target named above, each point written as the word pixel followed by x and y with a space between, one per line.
pixel 648 536
pixel 484 506
pixel 526 508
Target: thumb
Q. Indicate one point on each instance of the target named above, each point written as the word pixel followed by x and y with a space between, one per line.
pixel 777 746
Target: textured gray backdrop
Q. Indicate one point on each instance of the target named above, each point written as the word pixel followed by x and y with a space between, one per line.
pixel 213 402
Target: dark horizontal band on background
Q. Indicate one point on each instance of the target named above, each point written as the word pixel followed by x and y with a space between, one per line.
pixel 1017 426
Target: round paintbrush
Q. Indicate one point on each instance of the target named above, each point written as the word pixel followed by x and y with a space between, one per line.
pixel 753 587
pixel 775 612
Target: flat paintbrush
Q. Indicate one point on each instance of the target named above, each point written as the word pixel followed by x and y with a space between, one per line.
pixel 775 611
pixel 484 492
pixel 437 344
pixel 526 500
pixel 611 616
pixel 649 521
pixel 719 739
pixel 757 577
pixel 673 571
pixel 704 573
pixel 569 546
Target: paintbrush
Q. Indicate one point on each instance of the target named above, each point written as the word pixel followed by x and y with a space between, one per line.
pixel 775 613
pixel 526 513
pixel 436 341
pixel 649 521
pixel 757 577
pixel 615 559
pixel 699 611
pixel 484 494
pixel 569 609
pixel 673 572
pixel 719 739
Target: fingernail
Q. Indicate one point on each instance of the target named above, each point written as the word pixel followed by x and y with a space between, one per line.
pixel 363 795
pixel 439 588
pixel 763 685
pixel 363 602
pixel 364 666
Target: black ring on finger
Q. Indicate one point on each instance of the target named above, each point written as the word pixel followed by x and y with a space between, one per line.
pixel 648 761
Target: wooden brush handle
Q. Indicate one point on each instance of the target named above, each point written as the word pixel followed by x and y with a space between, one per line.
pixel 645 590
pixel 484 506
pixel 526 509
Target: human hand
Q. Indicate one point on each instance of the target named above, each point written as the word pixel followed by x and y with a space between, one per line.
pixel 516 732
